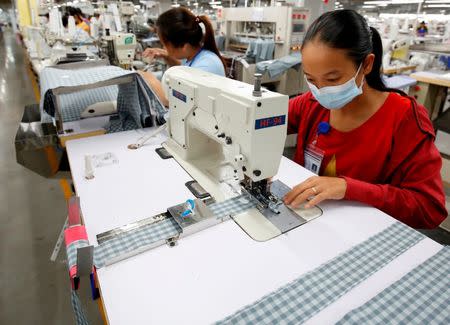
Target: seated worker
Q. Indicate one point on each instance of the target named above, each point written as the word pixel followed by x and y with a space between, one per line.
pixel 80 21
pixel 422 30
pixel 81 35
pixel 188 40
pixel 366 142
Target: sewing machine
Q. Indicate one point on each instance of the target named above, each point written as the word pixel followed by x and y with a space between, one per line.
pixel 120 48
pixel 126 8
pixel 400 49
pixel 285 25
pixel 124 48
pixel 229 136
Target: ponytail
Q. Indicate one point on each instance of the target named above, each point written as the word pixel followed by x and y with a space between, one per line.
pixel 209 41
pixel 374 78
pixel 348 30
pixel 179 26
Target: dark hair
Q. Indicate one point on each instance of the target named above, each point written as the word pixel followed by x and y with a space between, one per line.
pixel 348 30
pixel 72 11
pixel 79 12
pixel 65 20
pixel 179 26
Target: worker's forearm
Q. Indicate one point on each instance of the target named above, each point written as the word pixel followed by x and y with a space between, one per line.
pixel 156 86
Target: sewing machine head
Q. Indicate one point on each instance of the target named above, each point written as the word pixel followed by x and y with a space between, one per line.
pixel 124 48
pixel 229 136
pixel 223 126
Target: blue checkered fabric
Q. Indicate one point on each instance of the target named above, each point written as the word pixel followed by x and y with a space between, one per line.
pixel 80 317
pixel 72 250
pixel 145 236
pixel 420 297
pixel 119 126
pixel 303 298
pixel 233 206
pixel 132 241
pixel 150 234
pixel 73 104
pixel 160 231
pixel 137 105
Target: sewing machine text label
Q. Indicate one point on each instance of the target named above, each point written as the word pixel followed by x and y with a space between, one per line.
pixel 270 121
pixel 179 95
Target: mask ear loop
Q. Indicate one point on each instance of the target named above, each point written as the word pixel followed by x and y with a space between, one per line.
pixel 356 75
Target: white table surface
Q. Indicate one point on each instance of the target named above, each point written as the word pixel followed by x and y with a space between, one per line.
pixel 433 74
pixel 97 123
pixel 211 274
pixel 399 81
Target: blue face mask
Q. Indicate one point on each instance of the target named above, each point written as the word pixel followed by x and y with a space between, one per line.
pixel 336 97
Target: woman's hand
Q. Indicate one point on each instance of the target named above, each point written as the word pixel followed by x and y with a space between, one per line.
pixel 156 86
pixel 155 53
pixel 320 188
pixel 147 75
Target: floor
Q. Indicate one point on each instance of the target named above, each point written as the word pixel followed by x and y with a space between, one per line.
pixel 33 290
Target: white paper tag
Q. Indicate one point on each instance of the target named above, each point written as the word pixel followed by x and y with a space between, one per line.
pixel 104 159
pixel 313 159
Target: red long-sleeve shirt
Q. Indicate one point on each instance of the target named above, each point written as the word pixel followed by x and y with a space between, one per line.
pixel 389 162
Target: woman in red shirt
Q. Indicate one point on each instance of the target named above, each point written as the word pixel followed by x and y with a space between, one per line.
pixel 368 143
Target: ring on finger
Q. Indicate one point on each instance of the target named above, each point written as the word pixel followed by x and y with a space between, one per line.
pixel 314 190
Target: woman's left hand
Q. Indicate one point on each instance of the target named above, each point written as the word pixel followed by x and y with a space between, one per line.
pixel 320 188
pixel 156 86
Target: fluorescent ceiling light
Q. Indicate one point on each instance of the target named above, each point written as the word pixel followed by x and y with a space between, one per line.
pixel 406 1
pixel 391 2
pixel 378 3
pixel 368 7
pixel 438 6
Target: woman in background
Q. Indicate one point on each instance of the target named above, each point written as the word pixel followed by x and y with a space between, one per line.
pixel 188 40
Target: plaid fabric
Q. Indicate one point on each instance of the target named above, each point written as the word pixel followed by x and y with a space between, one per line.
pixel 136 101
pixel 119 126
pixel 147 235
pixel 162 230
pixel 130 242
pixel 156 107
pixel 420 297
pixel 73 104
pixel 233 206
pixel 72 249
pixel 80 317
pixel 303 298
